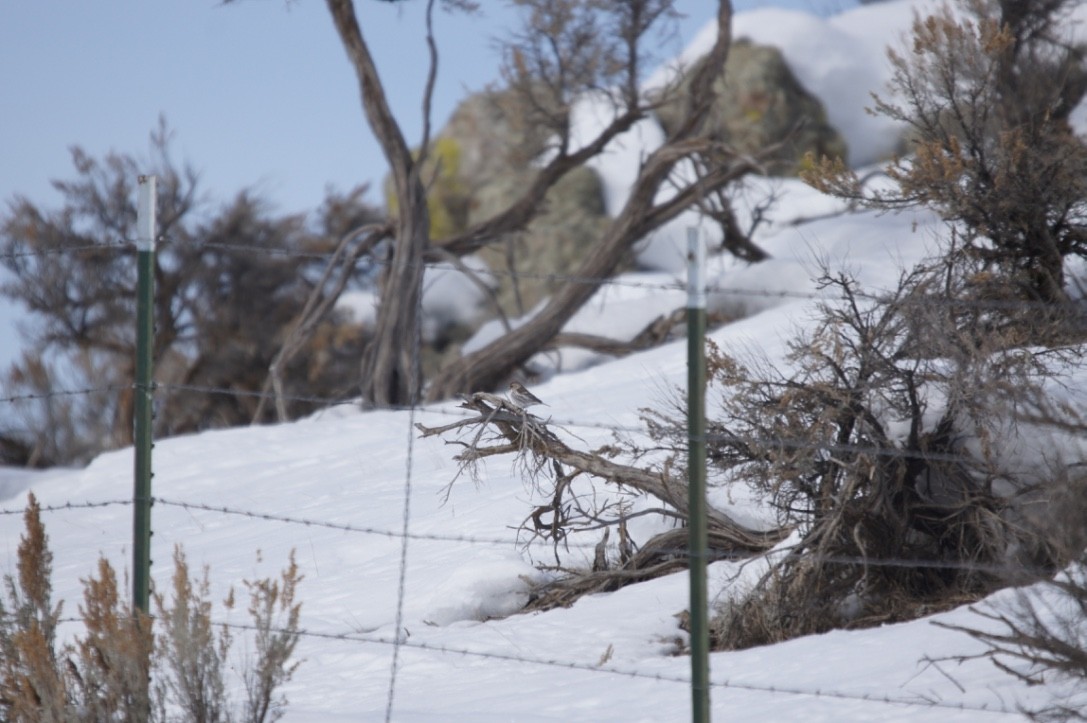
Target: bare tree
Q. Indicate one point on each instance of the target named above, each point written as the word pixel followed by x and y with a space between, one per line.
pixel 566 50
pixel 390 370
pixel 229 282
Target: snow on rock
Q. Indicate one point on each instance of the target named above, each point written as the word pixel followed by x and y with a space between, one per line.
pixel 360 306
pixel 618 166
pixel 620 161
pixel 840 59
pixel 835 66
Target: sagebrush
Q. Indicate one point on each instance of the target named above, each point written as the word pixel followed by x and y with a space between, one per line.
pixel 126 666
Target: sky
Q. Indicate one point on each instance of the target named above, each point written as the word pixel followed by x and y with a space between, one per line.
pixel 258 92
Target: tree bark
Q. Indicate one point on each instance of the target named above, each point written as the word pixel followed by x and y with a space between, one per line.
pixel 390 371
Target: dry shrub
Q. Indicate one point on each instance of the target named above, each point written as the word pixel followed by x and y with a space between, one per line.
pixel 1037 634
pixel 885 441
pixel 118 669
pixel 881 443
pixel 275 616
pixel 191 650
pixel 230 282
pixel 985 92
pixel 30 681
pixel 108 667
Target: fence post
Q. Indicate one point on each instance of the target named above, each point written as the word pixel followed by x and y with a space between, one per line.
pixel 143 393
pixel 696 474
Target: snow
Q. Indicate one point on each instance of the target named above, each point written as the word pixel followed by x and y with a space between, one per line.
pixel 841 59
pixel 620 161
pixel 333 486
pixel 348 467
pixel 460 659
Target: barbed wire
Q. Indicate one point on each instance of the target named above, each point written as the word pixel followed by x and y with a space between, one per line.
pixel 345 526
pixel 312 399
pixel 920 701
pixel 400 640
pixel 404 641
pixel 1001 570
pixel 878 295
pixel 436 408
pixel 552 277
pixel 717 556
pixel 888 451
pixel 758 441
pixel 266 250
pixel 405 534
pixel 12 255
pixel 675 285
pixel 70 506
pixel 678 284
pixel 64 393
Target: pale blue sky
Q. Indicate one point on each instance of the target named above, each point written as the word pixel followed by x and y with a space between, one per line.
pixel 258 92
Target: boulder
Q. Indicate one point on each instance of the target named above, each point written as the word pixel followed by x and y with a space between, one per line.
pixel 492 151
pixel 759 103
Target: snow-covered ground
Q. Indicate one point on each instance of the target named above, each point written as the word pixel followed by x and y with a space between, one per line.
pixel 347 468
pixel 333 488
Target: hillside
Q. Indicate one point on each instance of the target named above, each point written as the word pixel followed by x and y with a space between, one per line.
pixel 342 487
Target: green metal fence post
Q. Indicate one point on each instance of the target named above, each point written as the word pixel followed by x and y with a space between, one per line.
pixel 143 393
pixel 696 473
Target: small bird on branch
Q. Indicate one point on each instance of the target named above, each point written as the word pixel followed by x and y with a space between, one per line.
pixel 522 397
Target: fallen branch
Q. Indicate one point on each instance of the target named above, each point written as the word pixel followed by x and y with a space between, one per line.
pixel 501 428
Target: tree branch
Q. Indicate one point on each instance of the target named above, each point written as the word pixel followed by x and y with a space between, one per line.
pixel 529 436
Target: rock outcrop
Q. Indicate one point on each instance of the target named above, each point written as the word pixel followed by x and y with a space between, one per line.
pixel 760 102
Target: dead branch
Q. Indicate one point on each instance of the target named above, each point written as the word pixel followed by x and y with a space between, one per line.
pixel 654 334
pixel 317 307
pixel 501 428
pixel 664 554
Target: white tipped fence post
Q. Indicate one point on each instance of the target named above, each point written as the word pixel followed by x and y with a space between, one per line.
pixel 143 393
pixel 696 474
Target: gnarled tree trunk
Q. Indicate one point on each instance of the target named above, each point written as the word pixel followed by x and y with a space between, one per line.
pixel 390 368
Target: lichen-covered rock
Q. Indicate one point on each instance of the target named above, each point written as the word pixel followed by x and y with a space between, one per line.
pixel 759 103
pixel 490 150
pixel 449 197
pixel 495 133
pixel 531 265
pixel 497 151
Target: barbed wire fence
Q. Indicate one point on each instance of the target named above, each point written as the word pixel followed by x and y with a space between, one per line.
pixel 398 641
pixel 602 668
pixel 406 534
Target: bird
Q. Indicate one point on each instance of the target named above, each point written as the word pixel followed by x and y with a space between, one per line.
pixel 522 397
